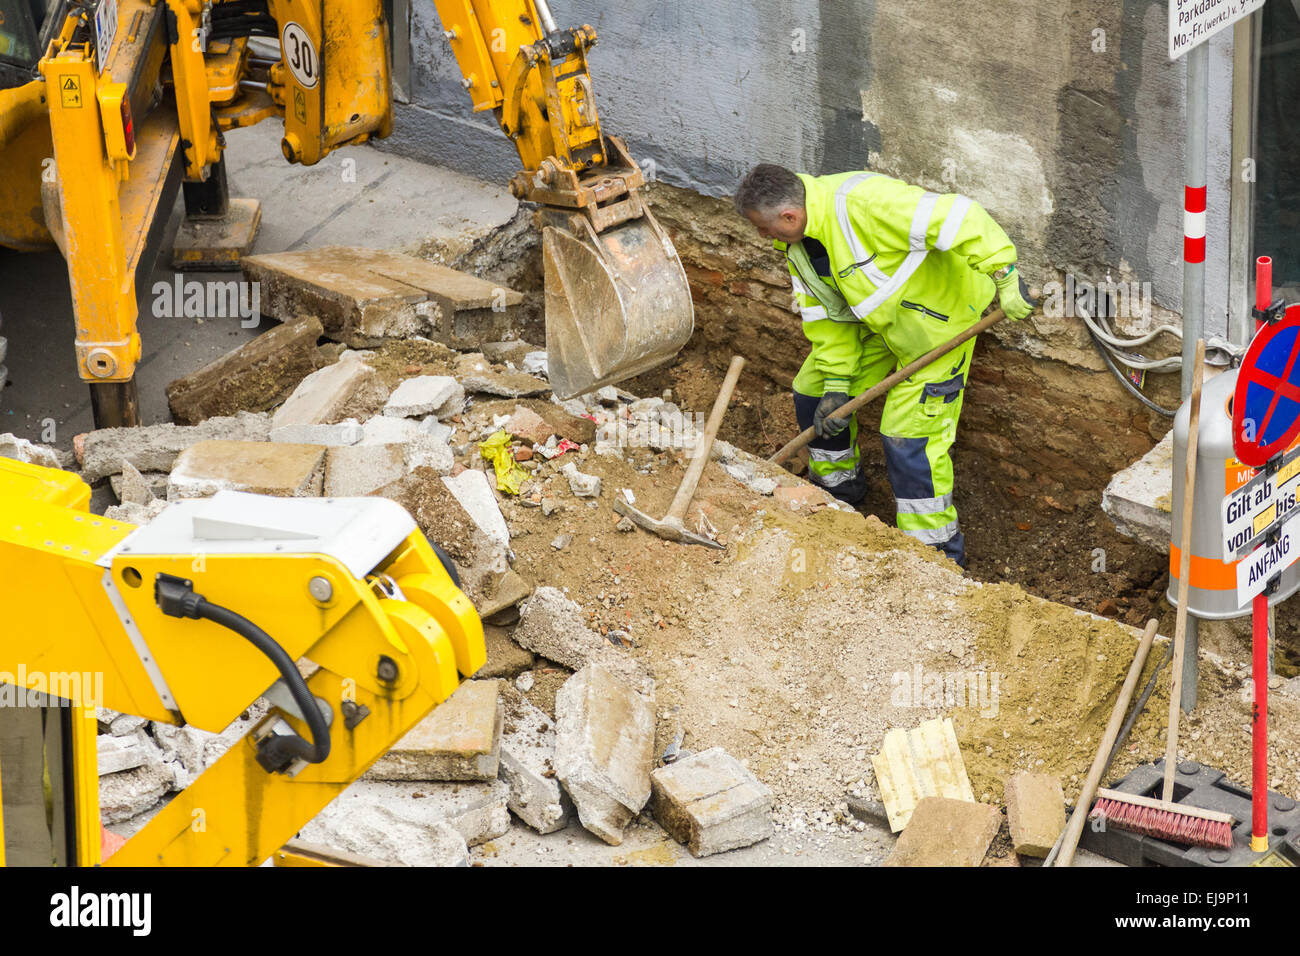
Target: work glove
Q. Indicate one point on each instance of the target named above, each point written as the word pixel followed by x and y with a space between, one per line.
pixel 823 424
pixel 1013 294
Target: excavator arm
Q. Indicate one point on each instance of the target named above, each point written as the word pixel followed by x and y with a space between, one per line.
pixel 339 613
pixel 617 300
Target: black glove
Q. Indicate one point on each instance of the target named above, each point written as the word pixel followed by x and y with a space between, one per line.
pixel 823 424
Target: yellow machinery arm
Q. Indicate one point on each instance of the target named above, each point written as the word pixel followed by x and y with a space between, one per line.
pixel 192 618
pixel 617 300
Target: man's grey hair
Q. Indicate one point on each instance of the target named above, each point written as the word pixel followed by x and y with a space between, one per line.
pixel 768 187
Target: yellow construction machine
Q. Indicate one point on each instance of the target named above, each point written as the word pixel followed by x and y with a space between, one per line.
pixel 107 107
pixel 337 612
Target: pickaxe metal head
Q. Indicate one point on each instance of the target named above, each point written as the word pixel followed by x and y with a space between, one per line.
pixel 670 529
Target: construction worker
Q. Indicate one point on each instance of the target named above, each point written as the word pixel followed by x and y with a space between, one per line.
pixel 883 272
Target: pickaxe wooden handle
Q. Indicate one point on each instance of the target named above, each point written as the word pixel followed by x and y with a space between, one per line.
pixel 851 407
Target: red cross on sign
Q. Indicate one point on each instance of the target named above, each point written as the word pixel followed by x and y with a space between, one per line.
pixel 1266 403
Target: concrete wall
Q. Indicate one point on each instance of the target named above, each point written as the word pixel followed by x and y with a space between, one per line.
pixel 1064 118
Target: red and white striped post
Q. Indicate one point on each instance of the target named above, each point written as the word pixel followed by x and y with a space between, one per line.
pixel 1259 641
pixel 1194 224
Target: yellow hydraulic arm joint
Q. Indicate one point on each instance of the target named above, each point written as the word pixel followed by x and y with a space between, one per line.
pixel 338 613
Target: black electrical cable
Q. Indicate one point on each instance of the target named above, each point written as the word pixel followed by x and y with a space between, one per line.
pixel 1137 708
pixel 1123 380
pixel 176 598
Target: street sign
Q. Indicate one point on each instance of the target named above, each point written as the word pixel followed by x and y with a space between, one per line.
pixel 1258 506
pixel 1192 22
pixel 1254 572
pixel 1266 403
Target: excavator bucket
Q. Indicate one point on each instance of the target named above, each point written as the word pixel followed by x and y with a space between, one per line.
pixel 617 302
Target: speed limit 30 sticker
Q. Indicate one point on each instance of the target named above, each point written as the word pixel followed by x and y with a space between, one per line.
pixel 300 54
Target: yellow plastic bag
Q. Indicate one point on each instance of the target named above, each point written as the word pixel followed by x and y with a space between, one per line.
pixel 497 450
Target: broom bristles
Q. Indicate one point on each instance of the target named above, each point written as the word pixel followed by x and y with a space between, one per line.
pixel 1164 824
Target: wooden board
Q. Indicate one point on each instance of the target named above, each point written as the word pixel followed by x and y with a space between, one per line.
pixel 922 762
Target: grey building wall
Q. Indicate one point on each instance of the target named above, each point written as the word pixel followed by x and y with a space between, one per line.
pixel 1065 119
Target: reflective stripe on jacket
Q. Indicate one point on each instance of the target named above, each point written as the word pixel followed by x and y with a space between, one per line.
pixel 912 265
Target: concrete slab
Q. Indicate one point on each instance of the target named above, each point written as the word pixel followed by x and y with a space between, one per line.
pixel 1139 498
pixel 460 740
pixel 944 832
pixel 262 468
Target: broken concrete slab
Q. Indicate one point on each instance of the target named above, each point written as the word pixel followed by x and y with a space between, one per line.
pixel 945 832
pixel 20 449
pixel 154 448
pixel 155 482
pixel 711 803
pixel 505 658
pixel 1035 812
pixel 425 395
pixel 551 625
pixel 340 434
pixel 132 488
pixel 459 740
pixel 347 389
pixel 136 514
pixel 513 351
pixel 474 372
pixel 387 834
pixel 480 559
pixel 262 468
pixel 528 768
pixel 366 295
pixel 358 470
pixel 409 813
pixel 474 492
pixel 254 377
pixel 115 754
pixel 604 749
pixel 1139 499
pixel 132 792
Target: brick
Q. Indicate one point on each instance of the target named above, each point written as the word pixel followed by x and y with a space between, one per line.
pixel 403 822
pixel 526 425
pixel 528 769
pixel 604 749
pixel 263 468
pixel 425 395
pixel 360 469
pixel 459 740
pixel 1035 812
pixel 254 377
pixel 945 832
pixel 154 448
pixel 710 803
pixel 347 389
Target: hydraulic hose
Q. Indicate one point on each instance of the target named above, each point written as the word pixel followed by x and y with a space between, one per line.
pixel 176 598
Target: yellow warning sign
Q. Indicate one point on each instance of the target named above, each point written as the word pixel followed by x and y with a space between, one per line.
pixel 300 106
pixel 70 91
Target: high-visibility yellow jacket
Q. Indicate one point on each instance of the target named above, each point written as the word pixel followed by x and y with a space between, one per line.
pixel 911 265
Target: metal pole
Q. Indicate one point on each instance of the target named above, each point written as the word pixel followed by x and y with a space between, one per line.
pixel 1198 119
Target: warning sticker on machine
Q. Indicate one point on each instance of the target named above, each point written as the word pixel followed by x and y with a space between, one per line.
pixel 70 91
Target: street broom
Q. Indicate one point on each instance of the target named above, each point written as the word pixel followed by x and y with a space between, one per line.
pixel 1165 819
